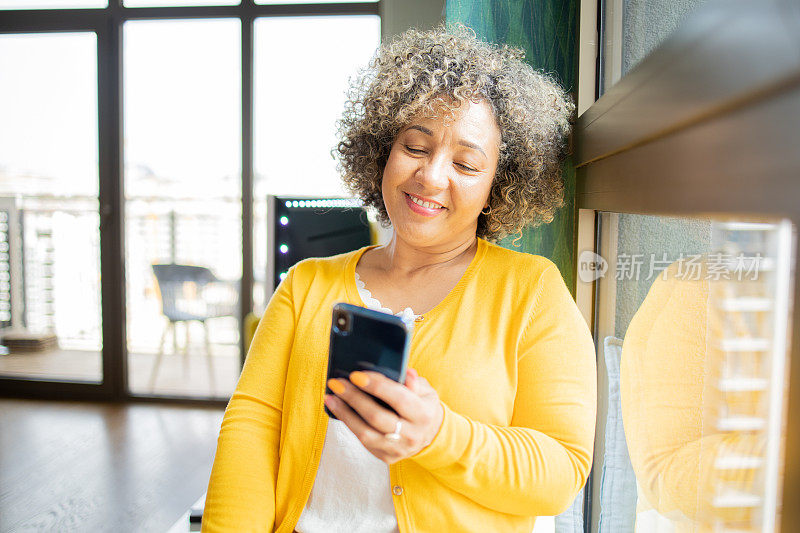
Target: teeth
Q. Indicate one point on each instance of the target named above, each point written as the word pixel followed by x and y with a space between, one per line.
pixel 429 205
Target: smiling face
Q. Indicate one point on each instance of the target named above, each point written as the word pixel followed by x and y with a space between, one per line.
pixel 439 174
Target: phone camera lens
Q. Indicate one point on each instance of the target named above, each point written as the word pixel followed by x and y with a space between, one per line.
pixel 341 322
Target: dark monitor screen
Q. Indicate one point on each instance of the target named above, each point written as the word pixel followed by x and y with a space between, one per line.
pixel 316 227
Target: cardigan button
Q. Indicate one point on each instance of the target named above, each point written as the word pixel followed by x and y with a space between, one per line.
pixel 397 490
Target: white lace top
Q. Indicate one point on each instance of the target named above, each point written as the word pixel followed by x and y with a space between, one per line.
pixel 406 314
pixel 351 493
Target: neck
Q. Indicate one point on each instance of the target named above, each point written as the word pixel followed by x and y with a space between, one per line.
pixel 400 256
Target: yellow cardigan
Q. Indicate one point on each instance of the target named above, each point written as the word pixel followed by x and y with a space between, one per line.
pixel 514 366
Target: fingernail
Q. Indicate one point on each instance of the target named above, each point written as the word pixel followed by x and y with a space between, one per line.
pixel 336 386
pixel 359 378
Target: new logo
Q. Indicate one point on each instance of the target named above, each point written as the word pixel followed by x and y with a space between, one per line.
pixel 591 266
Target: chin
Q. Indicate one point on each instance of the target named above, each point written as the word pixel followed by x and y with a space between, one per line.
pixel 414 234
pixel 430 236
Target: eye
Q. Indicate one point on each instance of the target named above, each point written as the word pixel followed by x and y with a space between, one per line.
pixel 414 150
pixel 466 167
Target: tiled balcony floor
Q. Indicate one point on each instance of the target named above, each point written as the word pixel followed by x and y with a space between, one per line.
pixel 178 374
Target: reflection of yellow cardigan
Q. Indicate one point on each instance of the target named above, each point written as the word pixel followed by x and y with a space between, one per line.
pixel 513 363
pixel 671 403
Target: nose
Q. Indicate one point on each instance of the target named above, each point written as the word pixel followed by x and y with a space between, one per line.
pixel 433 173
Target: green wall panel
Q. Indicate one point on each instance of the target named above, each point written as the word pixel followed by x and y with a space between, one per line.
pixel 547 31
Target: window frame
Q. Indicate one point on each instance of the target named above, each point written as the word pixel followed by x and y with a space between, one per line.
pixel 107 23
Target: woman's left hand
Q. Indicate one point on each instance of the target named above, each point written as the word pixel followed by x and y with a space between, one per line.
pixel 421 413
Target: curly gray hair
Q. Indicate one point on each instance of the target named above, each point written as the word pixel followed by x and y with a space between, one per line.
pixel 422 72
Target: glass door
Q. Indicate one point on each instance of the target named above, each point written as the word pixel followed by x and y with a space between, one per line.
pixel 183 205
pixel 50 325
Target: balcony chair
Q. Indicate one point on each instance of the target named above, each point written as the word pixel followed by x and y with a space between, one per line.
pixel 191 293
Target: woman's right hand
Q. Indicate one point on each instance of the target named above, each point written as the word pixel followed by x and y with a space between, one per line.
pixel 417 402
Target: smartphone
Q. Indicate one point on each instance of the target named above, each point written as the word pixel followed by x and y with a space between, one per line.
pixel 365 339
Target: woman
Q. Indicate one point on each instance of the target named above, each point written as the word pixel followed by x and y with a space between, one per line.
pixel 453 141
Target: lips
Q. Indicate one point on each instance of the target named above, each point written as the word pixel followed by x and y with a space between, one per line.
pixel 423 207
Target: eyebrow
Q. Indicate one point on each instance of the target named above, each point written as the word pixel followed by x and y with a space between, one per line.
pixel 428 132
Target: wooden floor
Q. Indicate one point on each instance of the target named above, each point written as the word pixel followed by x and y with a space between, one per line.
pixel 74 466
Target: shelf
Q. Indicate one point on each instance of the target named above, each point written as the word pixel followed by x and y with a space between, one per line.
pixel 741 423
pixel 745 304
pixel 732 498
pixel 742 384
pixel 744 344
pixel 738 462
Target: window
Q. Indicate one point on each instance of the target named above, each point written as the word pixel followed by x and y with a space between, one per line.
pixel 49 185
pixel 632 30
pixel 293 140
pixel 691 329
pixel 127 145
pixel 182 118
pixel 687 267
